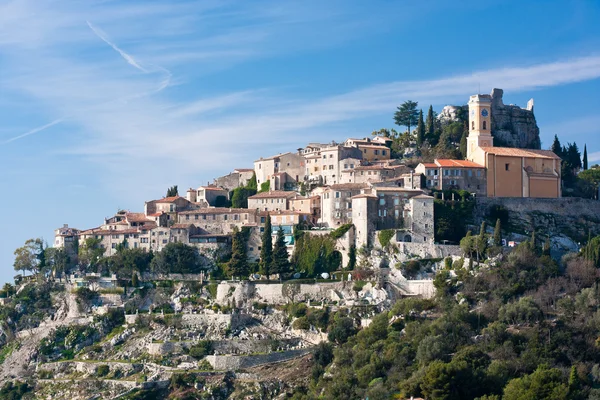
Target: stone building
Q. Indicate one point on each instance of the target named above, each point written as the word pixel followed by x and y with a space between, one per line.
pixel 375 149
pixel 66 238
pixel 326 164
pixel 373 173
pixel 209 195
pixel 510 172
pixel 275 200
pixel 445 174
pixel 239 177
pixel 218 220
pixel 407 211
pixel 169 206
pixel 336 203
pixel 307 205
pixel 292 164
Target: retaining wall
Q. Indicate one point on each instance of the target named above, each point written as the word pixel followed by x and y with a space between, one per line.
pixel 232 363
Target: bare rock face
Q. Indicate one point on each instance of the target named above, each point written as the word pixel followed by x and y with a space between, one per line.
pixel 513 126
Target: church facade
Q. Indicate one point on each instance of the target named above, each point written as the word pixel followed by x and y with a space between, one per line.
pixel 510 172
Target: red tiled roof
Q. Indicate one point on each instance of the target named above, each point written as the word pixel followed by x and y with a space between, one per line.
pixel 158 214
pixel 136 217
pixel 170 199
pixel 430 165
pixel 512 152
pixel 446 163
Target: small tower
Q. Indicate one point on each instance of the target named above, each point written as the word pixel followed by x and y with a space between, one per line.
pixel 480 120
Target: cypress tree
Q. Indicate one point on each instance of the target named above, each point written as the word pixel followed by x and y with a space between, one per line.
pixel 556 147
pixel 134 280
pixel 585 159
pixel 429 123
pixel 351 258
pixel 281 263
pixel 532 242
pixel 498 233
pixel 238 264
pixel 266 252
pixel 420 129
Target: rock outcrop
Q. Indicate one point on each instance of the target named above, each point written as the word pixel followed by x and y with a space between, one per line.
pixel 512 126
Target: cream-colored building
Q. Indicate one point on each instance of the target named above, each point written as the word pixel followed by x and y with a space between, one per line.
pixel 444 174
pixel 325 164
pixel 292 164
pixel 273 200
pixel 510 172
pixel 336 203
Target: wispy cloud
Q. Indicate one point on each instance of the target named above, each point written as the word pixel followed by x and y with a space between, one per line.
pixel 594 157
pixel 130 60
pixel 34 130
pixel 137 125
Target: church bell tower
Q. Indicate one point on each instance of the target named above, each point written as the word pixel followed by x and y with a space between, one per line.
pixel 480 120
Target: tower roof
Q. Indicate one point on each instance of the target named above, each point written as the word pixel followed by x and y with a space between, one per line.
pixel 480 98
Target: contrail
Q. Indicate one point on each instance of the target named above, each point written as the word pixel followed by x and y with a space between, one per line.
pixel 130 60
pixel 36 130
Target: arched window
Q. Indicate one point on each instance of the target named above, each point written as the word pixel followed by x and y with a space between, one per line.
pixel 484 125
pixel 473 125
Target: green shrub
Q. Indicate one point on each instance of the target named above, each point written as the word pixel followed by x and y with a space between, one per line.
pixel 102 370
pixel 385 237
pixel 358 285
pixel 341 231
pixel 301 323
pixel 203 348
pixel 212 289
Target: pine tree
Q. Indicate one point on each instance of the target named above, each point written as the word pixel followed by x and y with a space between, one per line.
pixel 498 233
pixel 429 125
pixel 172 191
pixel 585 159
pixel 281 263
pixel 238 264
pixel 556 147
pixel 420 129
pixel 266 252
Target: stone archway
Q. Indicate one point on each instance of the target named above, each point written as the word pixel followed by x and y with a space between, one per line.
pixel 407 238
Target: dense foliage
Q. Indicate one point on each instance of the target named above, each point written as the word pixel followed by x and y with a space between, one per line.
pixel 178 258
pixel 526 328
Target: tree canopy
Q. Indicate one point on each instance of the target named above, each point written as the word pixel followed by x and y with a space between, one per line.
pixel 407 114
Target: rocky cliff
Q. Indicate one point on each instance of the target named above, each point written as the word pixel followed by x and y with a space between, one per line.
pixel 512 126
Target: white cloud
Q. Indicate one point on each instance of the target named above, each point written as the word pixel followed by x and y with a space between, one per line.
pixel 137 126
pixel 594 157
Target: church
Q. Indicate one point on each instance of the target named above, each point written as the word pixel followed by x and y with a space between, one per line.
pixel 510 172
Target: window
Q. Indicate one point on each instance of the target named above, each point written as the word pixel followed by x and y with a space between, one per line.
pixel 204 216
pixel 114 246
pixel 478 172
pixel 288 164
pixel 196 216
pixel 365 151
pixel 259 166
pixel 383 152
pixel 397 201
pixel 484 125
pixel 331 156
pixel 115 236
pixel 187 217
pixel 351 165
pixel 426 226
pixel 337 195
pixel 470 173
pixel 424 238
pixel 164 241
pixel 376 152
pixel 472 125
pixel 225 217
pixel 382 201
pixel 506 167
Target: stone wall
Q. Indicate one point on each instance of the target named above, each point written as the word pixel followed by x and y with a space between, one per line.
pixel 409 250
pixel 222 320
pixel 67 367
pixel 242 292
pixel 564 219
pixel 233 363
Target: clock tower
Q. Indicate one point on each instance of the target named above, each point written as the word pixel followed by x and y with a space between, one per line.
pixel 480 120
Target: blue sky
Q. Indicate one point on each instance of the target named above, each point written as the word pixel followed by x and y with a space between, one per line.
pixel 104 104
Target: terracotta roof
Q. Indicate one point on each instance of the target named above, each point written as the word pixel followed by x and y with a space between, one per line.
pixel 170 199
pixel 422 196
pixel 273 194
pixel 457 164
pixel 348 186
pixel 136 217
pixel 217 210
pixel 430 165
pixel 158 214
pixel 512 152
pixel 149 226
pixel 104 232
pixel 372 167
pixel 396 189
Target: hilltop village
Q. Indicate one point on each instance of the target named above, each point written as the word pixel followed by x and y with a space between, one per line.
pixel 324 186
pixel 463 264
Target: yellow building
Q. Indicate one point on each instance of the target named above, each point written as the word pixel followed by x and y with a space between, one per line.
pixel 511 172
